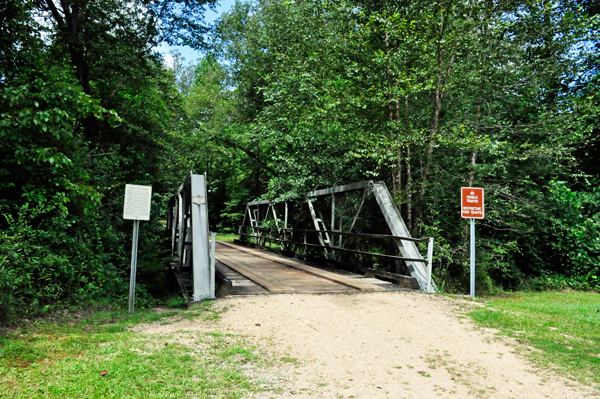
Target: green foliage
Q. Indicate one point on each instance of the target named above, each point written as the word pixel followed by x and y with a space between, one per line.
pixel 43 263
pixel 430 97
pixel 155 248
pixel 574 239
pixel 82 113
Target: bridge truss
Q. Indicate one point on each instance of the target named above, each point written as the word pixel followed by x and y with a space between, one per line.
pixel 356 224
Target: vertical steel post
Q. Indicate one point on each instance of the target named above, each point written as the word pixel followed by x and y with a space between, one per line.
pixel 213 238
pixel 341 228
pixel 332 238
pixel 332 213
pixel 200 253
pixel 174 224
pixel 429 264
pixel 134 251
pixel 472 258
pixel 305 248
pixel 182 228
pixel 285 223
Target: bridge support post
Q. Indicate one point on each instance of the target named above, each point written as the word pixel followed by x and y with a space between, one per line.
pixel 200 254
pixel 429 264
pixel 213 239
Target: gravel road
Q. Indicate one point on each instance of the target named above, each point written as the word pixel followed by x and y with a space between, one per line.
pixel 383 345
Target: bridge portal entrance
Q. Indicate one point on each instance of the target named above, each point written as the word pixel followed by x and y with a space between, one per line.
pixel 348 238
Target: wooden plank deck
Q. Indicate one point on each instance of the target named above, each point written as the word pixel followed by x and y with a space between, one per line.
pixel 240 285
pixel 257 272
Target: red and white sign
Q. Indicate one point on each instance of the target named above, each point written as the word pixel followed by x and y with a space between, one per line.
pixel 471 203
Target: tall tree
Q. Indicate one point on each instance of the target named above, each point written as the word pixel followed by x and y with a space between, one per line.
pixel 87 105
pixel 429 96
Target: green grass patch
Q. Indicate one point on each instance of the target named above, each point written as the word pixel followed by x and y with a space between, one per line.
pixel 229 237
pixel 563 326
pixel 102 356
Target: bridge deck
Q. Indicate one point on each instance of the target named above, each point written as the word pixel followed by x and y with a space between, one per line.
pixel 258 272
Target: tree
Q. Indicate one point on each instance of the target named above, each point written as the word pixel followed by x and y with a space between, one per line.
pixel 84 111
pixel 429 96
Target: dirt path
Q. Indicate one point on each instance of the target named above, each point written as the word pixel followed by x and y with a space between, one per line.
pixel 382 345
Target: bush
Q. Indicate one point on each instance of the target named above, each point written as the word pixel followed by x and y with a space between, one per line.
pixel 48 256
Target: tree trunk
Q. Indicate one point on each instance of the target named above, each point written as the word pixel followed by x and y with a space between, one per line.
pixel 480 95
pixel 443 76
pixel 70 28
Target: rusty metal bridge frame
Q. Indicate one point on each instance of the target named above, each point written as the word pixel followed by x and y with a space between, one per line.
pixel 262 223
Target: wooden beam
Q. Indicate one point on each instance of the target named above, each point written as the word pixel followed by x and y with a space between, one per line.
pixel 257 277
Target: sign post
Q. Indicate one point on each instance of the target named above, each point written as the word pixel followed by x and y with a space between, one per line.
pixel 472 207
pixel 136 208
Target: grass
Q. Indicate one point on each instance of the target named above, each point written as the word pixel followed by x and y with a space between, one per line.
pixel 563 327
pixel 228 237
pixel 100 356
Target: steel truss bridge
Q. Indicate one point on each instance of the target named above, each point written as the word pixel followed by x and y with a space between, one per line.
pixel 347 238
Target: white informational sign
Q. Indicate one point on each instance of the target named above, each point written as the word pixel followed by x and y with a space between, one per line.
pixel 137 202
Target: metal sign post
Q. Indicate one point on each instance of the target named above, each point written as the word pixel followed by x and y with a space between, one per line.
pixel 136 208
pixel 134 250
pixel 472 222
pixel 472 207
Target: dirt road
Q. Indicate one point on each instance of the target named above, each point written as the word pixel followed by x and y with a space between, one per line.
pixel 383 345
